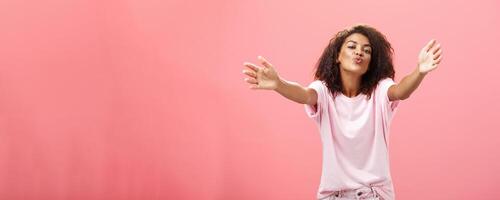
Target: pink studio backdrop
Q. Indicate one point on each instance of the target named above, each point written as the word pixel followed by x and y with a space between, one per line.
pixel 146 100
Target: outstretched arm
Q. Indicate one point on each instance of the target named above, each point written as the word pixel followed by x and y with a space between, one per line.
pixel 428 60
pixel 267 78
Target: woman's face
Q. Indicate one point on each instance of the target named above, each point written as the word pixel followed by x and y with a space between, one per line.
pixel 355 54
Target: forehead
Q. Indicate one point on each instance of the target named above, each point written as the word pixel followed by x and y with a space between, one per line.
pixel 357 38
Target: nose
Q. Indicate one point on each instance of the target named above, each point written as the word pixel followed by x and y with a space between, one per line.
pixel 358 53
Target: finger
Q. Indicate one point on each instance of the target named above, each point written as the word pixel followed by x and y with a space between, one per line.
pixel 436 48
pixel 250 73
pixel 252 66
pixel 429 45
pixel 437 54
pixel 264 62
pixel 438 60
pixel 251 80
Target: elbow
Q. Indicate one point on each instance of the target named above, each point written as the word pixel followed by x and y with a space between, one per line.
pixel 403 97
pixel 308 101
pixel 311 97
pixel 398 96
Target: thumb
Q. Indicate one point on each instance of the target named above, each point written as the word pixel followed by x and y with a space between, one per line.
pixel 255 87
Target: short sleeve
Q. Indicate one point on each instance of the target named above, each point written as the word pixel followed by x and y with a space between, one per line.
pixel 388 107
pixel 320 89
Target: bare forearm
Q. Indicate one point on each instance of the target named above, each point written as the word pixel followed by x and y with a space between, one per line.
pixel 428 60
pixel 409 84
pixel 294 92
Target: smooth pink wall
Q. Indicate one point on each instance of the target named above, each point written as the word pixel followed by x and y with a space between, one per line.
pixel 146 100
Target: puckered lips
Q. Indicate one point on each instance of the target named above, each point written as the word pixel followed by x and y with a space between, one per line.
pixel 358 60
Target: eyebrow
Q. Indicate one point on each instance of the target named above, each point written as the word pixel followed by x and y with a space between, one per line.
pixel 357 43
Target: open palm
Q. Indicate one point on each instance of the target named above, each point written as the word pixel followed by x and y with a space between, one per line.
pixel 429 57
pixel 261 77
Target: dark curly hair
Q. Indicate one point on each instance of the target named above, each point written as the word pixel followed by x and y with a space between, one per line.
pixel 380 67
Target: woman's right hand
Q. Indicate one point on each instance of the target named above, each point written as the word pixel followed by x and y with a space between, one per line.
pixel 261 77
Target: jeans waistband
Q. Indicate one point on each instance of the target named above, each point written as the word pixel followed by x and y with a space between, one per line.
pixel 359 193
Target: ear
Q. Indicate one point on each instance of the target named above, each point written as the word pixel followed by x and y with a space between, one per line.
pixel 337 60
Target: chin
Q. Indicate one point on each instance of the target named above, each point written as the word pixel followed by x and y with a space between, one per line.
pixel 356 70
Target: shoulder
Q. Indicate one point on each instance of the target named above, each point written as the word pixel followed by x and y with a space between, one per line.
pixel 385 82
pixel 320 88
pixel 383 87
pixel 317 84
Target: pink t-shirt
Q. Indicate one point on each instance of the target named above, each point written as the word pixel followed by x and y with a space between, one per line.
pixel 355 137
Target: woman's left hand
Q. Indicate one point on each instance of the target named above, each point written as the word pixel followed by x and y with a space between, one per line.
pixel 429 57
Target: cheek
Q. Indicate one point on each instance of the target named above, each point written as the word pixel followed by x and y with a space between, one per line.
pixel 344 56
pixel 368 59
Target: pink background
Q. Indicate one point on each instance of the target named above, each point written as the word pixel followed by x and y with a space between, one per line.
pixel 144 99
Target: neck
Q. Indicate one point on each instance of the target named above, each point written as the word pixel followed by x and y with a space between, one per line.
pixel 350 84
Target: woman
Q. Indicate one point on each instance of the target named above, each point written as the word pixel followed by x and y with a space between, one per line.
pixel 352 100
